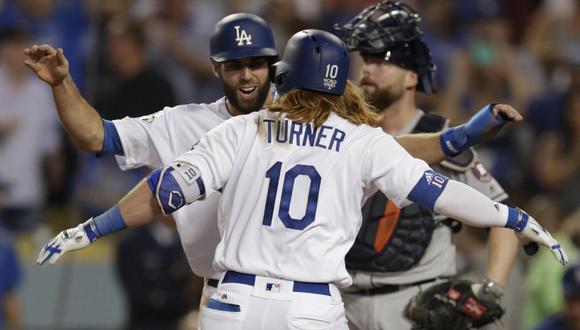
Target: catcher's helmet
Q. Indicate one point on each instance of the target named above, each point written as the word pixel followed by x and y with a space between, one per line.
pixel 239 36
pixel 391 29
pixel 313 60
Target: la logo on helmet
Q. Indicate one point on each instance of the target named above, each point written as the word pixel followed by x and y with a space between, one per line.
pixel 242 36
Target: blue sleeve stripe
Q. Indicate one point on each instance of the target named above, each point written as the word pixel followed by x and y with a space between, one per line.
pixel 428 189
pixel 109 222
pixel 111 141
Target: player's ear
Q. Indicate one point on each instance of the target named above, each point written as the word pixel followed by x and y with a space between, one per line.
pixel 215 68
pixel 411 79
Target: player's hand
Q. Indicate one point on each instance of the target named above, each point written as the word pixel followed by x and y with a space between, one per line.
pixel 530 231
pixel 506 112
pixel 47 63
pixel 67 240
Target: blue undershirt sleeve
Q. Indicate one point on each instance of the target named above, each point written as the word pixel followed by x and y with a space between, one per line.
pixel 111 142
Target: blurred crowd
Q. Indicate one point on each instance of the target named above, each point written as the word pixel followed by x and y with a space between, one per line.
pixel 133 57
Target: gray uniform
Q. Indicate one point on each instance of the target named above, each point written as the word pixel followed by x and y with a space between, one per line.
pixel 376 299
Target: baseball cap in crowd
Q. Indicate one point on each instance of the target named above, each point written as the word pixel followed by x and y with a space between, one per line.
pixel 571 281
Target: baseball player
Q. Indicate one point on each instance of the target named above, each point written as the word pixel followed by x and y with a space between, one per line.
pixel 242 49
pixel 399 252
pixel 293 178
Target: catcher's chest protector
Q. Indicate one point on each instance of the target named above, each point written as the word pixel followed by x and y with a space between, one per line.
pixel 393 239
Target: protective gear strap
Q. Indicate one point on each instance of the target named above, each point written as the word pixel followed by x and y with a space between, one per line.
pixel 176 185
pixel 111 141
pixel 90 230
pixel 109 222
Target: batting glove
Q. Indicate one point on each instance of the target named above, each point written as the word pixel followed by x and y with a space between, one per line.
pixel 68 240
pixel 529 230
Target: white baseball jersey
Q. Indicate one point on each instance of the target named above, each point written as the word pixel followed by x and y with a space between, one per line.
pixel 156 140
pixel 292 194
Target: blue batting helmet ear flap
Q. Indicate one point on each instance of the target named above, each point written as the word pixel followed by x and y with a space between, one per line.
pixel 313 60
pixel 239 36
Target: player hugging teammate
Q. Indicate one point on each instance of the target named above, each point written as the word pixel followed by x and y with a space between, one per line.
pixel 288 202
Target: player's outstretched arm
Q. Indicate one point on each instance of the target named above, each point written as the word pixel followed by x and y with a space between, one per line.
pixel 463 203
pixel 80 120
pixel 436 147
pixel 137 208
pixel 163 191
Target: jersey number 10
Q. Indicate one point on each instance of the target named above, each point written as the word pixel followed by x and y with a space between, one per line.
pixel 290 176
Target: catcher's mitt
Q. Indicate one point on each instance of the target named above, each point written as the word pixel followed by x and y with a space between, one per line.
pixel 452 305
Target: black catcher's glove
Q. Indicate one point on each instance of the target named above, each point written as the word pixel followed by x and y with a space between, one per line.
pixel 452 305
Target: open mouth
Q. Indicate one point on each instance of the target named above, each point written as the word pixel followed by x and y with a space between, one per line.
pixel 367 87
pixel 247 90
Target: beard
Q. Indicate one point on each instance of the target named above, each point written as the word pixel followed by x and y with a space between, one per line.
pixel 382 97
pixel 246 106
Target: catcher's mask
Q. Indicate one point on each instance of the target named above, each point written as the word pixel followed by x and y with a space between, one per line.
pixel 391 30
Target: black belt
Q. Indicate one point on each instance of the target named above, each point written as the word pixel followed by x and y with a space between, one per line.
pixel 212 282
pixel 390 288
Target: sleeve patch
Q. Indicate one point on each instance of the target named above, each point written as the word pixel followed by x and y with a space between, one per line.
pixel 188 172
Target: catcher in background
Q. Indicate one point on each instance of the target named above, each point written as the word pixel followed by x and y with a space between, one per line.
pixel 400 252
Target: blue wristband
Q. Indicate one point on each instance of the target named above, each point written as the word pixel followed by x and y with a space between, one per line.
pixel 517 219
pixel 109 222
pixel 455 140
pixel 111 141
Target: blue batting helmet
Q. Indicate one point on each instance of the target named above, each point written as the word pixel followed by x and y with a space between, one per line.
pixel 239 36
pixel 314 60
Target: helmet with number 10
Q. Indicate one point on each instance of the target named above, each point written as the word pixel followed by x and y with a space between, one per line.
pixel 313 60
